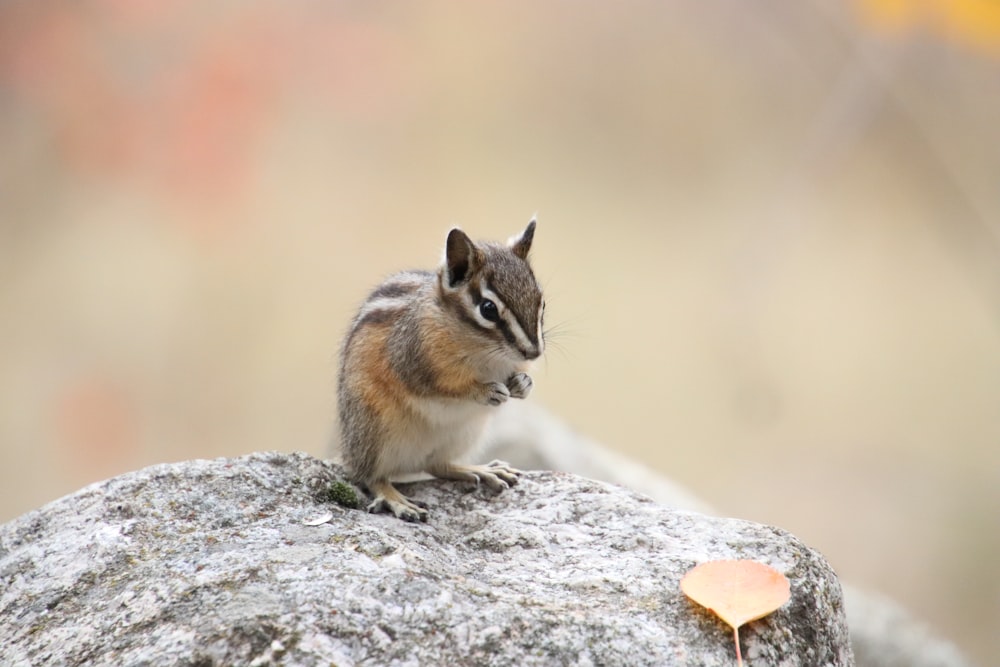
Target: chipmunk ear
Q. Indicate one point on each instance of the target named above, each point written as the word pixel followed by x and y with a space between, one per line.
pixel 522 244
pixel 461 257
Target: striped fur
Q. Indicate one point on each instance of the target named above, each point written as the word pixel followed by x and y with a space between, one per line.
pixel 422 366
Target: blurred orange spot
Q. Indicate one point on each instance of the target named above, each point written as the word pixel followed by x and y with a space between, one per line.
pixel 212 111
pixel 96 422
pixel 974 23
pixel 173 96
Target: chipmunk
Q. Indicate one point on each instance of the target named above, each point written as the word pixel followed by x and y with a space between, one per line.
pixel 427 359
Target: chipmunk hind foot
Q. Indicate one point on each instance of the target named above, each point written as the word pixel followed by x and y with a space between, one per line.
pixel 389 499
pixel 498 475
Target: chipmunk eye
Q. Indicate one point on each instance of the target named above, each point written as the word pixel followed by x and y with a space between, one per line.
pixel 489 310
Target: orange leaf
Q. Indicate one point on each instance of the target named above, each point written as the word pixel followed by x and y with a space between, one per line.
pixel 738 591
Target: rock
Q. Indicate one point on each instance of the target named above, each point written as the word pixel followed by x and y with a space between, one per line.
pixel 883 634
pixel 528 435
pixel 210 563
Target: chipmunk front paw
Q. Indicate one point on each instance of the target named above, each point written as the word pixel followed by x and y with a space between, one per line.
pixel 495 393
pixel 520 385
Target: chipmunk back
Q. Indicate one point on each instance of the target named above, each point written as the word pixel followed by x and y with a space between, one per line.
pixel 429 357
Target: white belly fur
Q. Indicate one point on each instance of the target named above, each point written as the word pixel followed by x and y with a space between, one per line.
pixel 439 430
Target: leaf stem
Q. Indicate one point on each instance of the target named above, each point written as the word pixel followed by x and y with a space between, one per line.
pixel 736 638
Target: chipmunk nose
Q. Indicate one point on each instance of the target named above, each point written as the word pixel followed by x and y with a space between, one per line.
pixel 534 352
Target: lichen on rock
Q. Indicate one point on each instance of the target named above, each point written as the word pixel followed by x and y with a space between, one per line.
pixel 342 493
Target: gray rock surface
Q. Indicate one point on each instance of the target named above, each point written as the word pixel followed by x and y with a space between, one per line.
pixel 209 563
pixel 883 633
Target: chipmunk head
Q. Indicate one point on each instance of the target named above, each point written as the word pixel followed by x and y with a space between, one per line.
pixel 493 290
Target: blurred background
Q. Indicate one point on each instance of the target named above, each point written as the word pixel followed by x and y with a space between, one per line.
pixel 769 235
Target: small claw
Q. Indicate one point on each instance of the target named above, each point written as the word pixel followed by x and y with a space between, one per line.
pixel 493 481
pixel 503 471
pixel 509 480
pixel 496 393
pixel 412 511
pixel 519 385
pixel 410 516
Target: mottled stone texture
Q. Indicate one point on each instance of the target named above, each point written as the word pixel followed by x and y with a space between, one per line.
pixel 208 563
pixel 883 634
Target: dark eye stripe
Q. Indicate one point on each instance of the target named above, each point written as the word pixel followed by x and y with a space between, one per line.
pixel 508 335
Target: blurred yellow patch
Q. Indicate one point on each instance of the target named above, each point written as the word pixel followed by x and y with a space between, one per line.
pixel 974 23
pixel 894 15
